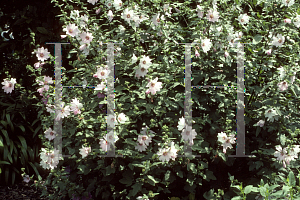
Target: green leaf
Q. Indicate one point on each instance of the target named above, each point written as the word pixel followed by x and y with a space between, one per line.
pixel 4 163
pixel 152 181
pixel 23 141
pixel 6 136
pixel 167 175
pixel 180 174
pixel 35 169
pixel 42 30
pixel 127 181
pixel 282 139
pixel 248 189
pixel 136 188
pixel 22 128
pixel 192 167
pixel 210 175
pixel 292 180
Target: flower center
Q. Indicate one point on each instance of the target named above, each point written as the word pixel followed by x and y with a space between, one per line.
pixel 41 55
pixel 128 15
pixel 109 4
pixel 102 73
pixel 51 133
pixel 140 144
pixel 288 1
pixel 242 20
pixel 144 62
pixel 280 40
pixel 269 111
pixel 112 119
pixel 152 84
pixel 211 16
pixel 120 4
pixel 140 17
pixel 143 69
pixel 144 138
pixel 203 44
pixel 165 153
pixel 188 133
pixel 87 37
pixel 71 31
pixel 10 85
pixel 158 20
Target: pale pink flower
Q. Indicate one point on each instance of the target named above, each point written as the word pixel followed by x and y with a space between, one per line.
pixel 101 86
pixel 118 4
pixel 86 37
pixel 71 30
pixel 128 15
pixel 243 19
pixel 287 21
pixel 102 73
pixel 92 1
pixel 122 118
pixel 42 54
pixel 111 120
pixel 278 41
pixel 288 3
pixel 199 10
pixel 226 54
pixel 84 151
pixel 280 153
pixel 83 47
pixel 98 11
pixel 38 65
pixel 26 178
pixel 141 146
pixel 154 86
pixel 104 144
pixel 156 20
pixel 144 139
pixel 110 15
pixel 145 61
pixel 269 51
pixel 188 134
pixel 49 134
pixel 197 54
pixel 141 71
pixel 282 86
pixel 260 123
pixel 63 36
pixel 9 85
pixel 64 112
pixel 164 154
pixel 76 106
pixel 212 16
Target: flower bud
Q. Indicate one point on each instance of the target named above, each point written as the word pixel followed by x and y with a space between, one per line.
pixel 226 54
pixel 287 21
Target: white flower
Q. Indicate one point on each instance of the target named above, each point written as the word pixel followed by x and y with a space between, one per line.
pixel 199 10
pixel 64 112
pixel 197 54
pixel 141 72
pixel 108 3
pixel 71 30
pixel 128 15
pixel 287 21
pixel 293 78
pixel 226 54
pixel 281 72
pixel 222 137
pixel 154 86
pixel 227 143
pixel 50 159
pixel 145 62
pixel 206 45
pixel 9 85
pixel 101 86
pixel 133 59
pixel 144 139
pixel 84 151
pixel 118 4
pixel 260 123
pixel 122 29
pixel 104 144
pixel 49 134
pixel 173 151
pixel 111 137
pixel 102 73
pixel 141 198
pixel 92 1
pixel 155 19
pixel 296 21
pixel 146 130
pixel 243 19
pixel 280 153
pixel 212 16
pixel 86 37
pixel 139 19
pixel 282 85
pixel 181 123
pixel 288 3
pixel 83 20
pixel 122 118
pixel 270 114
pixel 74 14
pixel 167 9
pixel 164 154
pixel 50 108
pixel 188 134
pixel 26 178
pixel 232 38
pixel 278 41
pixel 110 15
pixel 111 120
pixel 269 51
pixel 42 54
pixel 76 106
pixel 141 146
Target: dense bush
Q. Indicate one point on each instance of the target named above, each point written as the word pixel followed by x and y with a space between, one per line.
pixel 214 175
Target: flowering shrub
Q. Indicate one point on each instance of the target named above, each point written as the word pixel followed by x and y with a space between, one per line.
pixel 146 134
